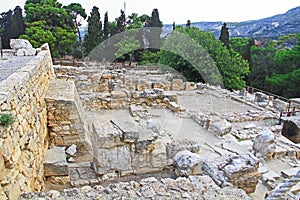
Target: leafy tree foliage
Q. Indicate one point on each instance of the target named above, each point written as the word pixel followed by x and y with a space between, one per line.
pixel 231 66
pixel 224 37
pixel 76 10
pixel 12 26
pixel 285 78
pixel 48 16
pixel 38 34
pixel 94 35
pixel 125 48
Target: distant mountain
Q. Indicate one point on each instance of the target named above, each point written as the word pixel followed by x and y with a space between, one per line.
pixel 271 27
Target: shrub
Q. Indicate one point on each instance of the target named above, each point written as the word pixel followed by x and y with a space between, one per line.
pixel 6 120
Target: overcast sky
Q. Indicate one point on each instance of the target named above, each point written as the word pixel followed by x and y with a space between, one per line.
pixel 182 10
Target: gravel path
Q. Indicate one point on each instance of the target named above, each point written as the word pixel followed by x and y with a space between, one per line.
pixel 11 65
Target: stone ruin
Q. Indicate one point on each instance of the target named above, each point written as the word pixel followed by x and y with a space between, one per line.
pixel 137 133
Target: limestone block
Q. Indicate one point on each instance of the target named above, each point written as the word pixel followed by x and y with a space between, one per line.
pixel 12 191
pixel 173 97
pixel 22 47
pixel 2 167
pixel 154 124
pixel 115 159
pixel 187 163
pixel 174 107
pixel 221 127
pixel 242 171
pixel 55 162
pixel 190 86
pixel 118 95
pixel 129 130
pixel 177 85
pixel 291 129
pixel 72 150
pixel 264 144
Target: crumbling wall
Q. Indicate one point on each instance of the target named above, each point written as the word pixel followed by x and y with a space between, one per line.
pixel 22 144
pixel 66 120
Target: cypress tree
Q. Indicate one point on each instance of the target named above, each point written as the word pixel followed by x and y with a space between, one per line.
pixel 93 37
pixel 106 27
pixel 156 28
pixel 12 25
pixel 224 37
pixel 188 24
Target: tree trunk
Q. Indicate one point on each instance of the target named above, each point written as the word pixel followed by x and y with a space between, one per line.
pixel 80 39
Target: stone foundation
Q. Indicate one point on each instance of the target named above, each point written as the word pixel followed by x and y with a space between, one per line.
pixel 22 144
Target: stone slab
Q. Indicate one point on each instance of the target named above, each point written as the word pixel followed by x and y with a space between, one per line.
pixel 290 172
pixel 55 162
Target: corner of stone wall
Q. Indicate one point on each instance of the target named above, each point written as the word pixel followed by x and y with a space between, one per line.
pixel 22 144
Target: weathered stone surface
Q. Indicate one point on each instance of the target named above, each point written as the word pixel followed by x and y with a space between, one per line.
pixel 177 85
pixel 291 129
pixel 55 163
pixel 115 159
pixel 72 150
pixel 241 171
pixel 221 127
pixel 187 163
pixel 22 47
pixel 264 145
pixel 154 124
pixel 197 187
pixel 128 128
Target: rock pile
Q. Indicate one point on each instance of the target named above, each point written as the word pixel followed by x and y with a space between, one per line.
pixel 194 187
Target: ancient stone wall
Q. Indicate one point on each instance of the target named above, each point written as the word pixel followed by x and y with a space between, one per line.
pixel 101 88
pixel 22 144
pixel 66 120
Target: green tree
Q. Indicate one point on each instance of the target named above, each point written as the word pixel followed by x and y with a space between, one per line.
pixel 105 26
pixel 153 34
pixel 224 36
pixel 76 11
pixel 230 65
pixel 262 65
pixel 125 48
pixel 121 22
pixel 37 34
pixel 94 34
pixel 285 77
pixel 53 18
pixel 12 25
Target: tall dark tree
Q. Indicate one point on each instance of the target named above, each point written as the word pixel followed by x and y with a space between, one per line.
pixel 188 24
pixel 155 25
pixel 105 27
pixel 93 37
pixel 12 25
pixel 224 37
pixel 76 11
pixel 174 26
pixel 121 22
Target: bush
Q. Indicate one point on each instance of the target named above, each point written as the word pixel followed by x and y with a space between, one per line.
pixel 6 120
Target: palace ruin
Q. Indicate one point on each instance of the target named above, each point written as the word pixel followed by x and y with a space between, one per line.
pixel 94 131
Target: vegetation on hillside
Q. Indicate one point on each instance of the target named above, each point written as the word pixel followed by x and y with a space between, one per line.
pixel 270 65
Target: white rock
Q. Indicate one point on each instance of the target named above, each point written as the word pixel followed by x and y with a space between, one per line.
pixel 72 150
pixel 221 127
pixel 186 161
pixel 264 144
pixel 22 47
pixel 53 193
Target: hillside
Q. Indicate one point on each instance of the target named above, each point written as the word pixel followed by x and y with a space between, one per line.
pixel 271 27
